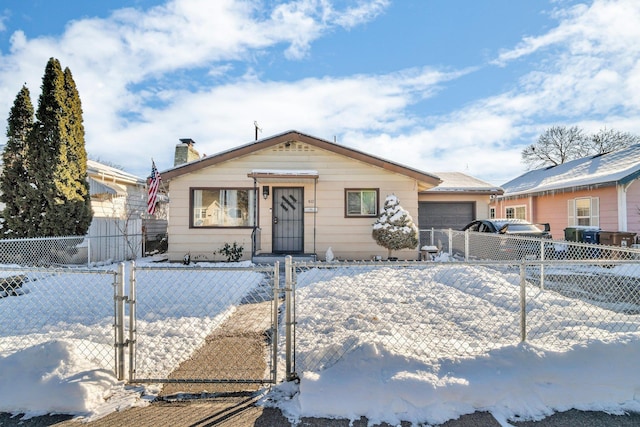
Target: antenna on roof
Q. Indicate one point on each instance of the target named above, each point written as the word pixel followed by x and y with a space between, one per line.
pixel 255 124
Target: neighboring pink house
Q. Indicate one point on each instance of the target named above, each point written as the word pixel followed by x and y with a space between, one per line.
pixel 598 191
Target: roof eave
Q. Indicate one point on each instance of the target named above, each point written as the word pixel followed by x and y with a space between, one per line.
pixel 551 190
pixel 465 192
pixel 293 136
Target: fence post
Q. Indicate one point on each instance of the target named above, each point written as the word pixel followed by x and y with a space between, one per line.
pixel 274 320
pixel 290 363
pixel 132 322
pixel 542 258
pixel 523 303
pixel 119 321
pixel 466 245
pixel 450 242
pixel 88 251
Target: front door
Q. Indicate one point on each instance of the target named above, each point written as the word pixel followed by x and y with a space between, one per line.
pixel 288 220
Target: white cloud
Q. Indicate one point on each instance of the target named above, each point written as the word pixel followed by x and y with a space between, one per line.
pixel 3 17
pixel 362 13
pixel 192 68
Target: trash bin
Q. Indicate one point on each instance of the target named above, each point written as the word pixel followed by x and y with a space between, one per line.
pixel 617 238
pixel 591 235
pixel 581 234
pixel 573 234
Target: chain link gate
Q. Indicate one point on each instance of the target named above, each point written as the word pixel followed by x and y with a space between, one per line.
pixel 217 334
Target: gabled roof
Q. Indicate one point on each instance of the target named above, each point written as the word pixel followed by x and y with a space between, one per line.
pixel 294 136
pixel 458 183
pixel 617 167
pixel 105 181
pixel 109 173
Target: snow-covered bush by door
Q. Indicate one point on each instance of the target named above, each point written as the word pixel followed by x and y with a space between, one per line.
pixel 395 229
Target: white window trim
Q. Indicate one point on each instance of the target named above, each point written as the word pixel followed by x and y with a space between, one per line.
pixel 515 211
pixel 594 211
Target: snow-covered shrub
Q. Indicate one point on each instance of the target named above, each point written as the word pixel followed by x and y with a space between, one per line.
pixel 395 229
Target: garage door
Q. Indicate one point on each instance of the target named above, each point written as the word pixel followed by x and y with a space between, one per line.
pixel 454 215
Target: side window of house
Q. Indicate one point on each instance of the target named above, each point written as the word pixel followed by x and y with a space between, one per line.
pixel 222 207
pixel 361 202
pixel 492 213
pixel 584 211
pixel 517 212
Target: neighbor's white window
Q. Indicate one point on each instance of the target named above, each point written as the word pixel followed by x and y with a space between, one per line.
pixel 518 212
pixel 222 207
pixel 584 211
pixel 492 213
pixel 361 203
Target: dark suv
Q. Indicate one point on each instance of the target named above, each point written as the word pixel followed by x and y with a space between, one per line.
pixel 510 239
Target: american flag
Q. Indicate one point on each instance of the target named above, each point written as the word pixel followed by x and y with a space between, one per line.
pixel 154 183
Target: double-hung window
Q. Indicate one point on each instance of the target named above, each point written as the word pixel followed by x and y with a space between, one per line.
pixel 361 202
pixel 222 207
pixel 516 212
pixel 584 211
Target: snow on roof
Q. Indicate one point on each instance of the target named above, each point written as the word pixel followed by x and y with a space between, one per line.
pixel 108 172
pixel 460 182
pixel 300 172
pixel 616 167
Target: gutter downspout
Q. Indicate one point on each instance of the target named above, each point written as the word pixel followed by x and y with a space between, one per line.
pixel 622 205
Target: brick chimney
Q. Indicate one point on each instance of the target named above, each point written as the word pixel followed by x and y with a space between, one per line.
pixel 185 152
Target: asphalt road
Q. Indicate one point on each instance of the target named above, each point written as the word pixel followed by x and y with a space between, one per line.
pixel 241 411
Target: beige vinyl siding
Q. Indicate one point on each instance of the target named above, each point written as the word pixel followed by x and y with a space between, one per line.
pixel 349 238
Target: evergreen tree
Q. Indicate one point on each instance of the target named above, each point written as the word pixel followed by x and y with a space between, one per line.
pixel 59 204
pixel 395 229
pixel 14 185
pixel 71 173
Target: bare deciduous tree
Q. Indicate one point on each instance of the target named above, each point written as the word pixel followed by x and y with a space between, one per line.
pixel 608 140
pixel 560 144
pixel 555 146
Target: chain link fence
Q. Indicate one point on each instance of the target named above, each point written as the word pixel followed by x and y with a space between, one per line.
pixel 203 325
pixel 212 325
pixel 72 305
pixel 432 310
pixel 70 250
pixel 470 245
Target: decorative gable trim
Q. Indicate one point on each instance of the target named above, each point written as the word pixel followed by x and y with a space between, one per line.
pixel 297 141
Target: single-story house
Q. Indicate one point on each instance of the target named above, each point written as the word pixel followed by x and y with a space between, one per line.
pixel 599 191
pixel 294 194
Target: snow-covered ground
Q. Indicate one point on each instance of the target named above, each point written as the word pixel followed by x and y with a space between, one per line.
pixel 362 362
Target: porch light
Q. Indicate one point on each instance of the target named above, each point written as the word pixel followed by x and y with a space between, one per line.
pixel 265 192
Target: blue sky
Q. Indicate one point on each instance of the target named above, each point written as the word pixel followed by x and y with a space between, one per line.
pixel 455 85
